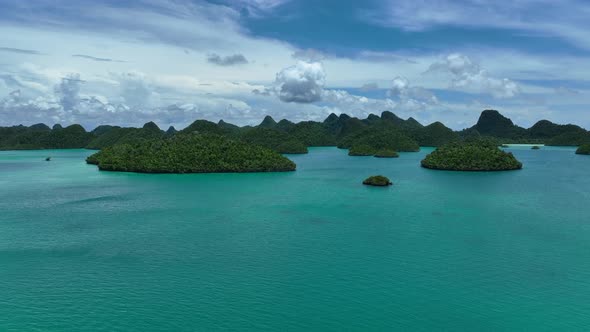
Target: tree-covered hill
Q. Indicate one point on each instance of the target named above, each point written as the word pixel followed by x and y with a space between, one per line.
pixel 385 131
pixel 117 135
pixel 190 153
pixel 40 136
pixel 477 155
pixel 381 137
pixel 492 123
pixel 273 139
pixel 583 149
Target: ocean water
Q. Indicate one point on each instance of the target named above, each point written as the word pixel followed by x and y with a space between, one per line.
pixel 311 250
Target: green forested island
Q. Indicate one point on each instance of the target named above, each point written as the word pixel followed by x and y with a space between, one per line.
pixel 364 136
pixel 190 153
pixel 475 155
pixel 583 149
pixel 386 153
pixel 377 181
pixel 379 136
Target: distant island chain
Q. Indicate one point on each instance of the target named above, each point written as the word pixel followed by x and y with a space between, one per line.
pixel 208 147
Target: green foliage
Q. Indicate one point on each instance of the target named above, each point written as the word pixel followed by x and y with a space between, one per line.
pixel 117 135
pixel 385 153
pixel 268 122
pixel 190 153
pixel 377 180
pixel 273 139
pixel 361 150
pixel 206 127
pixel 312 134
pixel 381 137
pixel 435 134
pixel 583 149
pixel 492 123
pixel 41 136
pixel 480 155
pixel 574 138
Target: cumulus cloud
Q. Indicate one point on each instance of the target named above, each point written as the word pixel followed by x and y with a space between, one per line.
pixel 301 83
pixel 403 91
pixel 68 91
pixel 469 76
pixel 230 60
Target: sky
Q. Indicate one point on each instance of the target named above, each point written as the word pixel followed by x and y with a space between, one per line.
pixel 125 63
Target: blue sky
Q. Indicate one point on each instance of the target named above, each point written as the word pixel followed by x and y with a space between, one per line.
pixel 129 62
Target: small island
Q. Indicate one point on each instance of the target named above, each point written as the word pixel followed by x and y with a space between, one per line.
pixel 377 181
pixel 190 153
pixel 386 153
pixel 478 155
pixel 536 147
pixel 361 150
pixel 583 149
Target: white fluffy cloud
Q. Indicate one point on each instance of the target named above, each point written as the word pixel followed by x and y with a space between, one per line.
pixel 301 83
pixel 402 90
pixel 469 76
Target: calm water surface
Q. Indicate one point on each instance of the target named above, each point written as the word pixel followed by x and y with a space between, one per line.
pixel 83 250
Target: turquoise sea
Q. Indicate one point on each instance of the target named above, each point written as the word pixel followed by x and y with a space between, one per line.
pixel 311 250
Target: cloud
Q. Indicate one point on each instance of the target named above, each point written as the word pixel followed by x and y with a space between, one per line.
pixel 68 91
pixel 19 51
pixel 230 60
pixel 301 83
pixel 402 91
pixel 93 58
pixel 567 19
pixel 383 57
pixel 309 55
pixel 369 87
pixel 255 8
pixel 468 76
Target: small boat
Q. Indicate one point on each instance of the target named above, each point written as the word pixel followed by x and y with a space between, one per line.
pixel 48 159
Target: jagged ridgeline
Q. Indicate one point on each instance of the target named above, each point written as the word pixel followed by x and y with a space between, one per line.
pixel 369 136
pixel 493 124
pixel 190 153
pixel 40 136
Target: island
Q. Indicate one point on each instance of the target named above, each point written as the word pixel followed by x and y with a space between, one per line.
pixel 583 149
pixel 477 155
pixel 536 147
pixel 361 150
pixel 377 181
pixel 364 137
pixel 386 153
pixel 190 153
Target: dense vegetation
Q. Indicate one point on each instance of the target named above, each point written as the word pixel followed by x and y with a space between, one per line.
pixel 117 135
pixel 583 149
pixel 385 153
pixel 492 124
pixel 377 180
pixel 361 150
pixel 480 155
pixel 190 153
pixel 361 136
pixel 273 139
pixel 40 136
pixel 382 137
